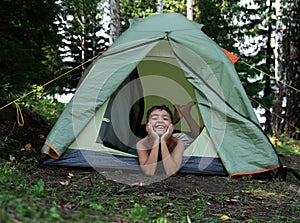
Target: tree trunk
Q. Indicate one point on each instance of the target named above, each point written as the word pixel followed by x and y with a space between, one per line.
pixel 115 21
pixel 292 39
pixel 268 89
pixel 189 9
pixel 160 6
pixel 279 71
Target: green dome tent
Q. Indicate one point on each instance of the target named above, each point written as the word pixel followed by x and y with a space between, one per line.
pixel 162 59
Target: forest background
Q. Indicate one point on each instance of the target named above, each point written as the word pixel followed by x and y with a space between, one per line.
pixel 41 40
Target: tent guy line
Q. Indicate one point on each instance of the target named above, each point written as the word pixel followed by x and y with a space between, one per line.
pixel 269 110
pixel 280 81
pixel 49 82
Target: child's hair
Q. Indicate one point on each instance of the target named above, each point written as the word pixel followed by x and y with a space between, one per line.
pixel 159 107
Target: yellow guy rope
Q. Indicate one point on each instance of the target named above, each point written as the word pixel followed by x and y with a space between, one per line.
pixel 64 74
pixel 271 76
pixel 278 116
pixel 20 118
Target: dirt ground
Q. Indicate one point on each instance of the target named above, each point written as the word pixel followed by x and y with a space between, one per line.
pixel 242 199
pixel 265 199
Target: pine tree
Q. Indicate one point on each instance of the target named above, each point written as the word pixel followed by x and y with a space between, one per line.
pixel 80 26
pixel 136 9
pixel 28 46
pixel 286 104
pixel 292 70
pixel 255 41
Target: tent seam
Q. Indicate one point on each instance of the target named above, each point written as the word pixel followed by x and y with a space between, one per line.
pixel 129 48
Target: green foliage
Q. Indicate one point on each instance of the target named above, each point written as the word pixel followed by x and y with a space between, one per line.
pixel 217 17
pixel 11 177
pixel 141 9
pixel 83 36
pixel 254 37
pixel 244 30
pixel 96 206
pixel 135 9
pixel 286 145
pixel 27 35
pixel 50 109
pixel 26 195
pixel 44 107
pixel 138 214
pixel 29 201
pixel 175 6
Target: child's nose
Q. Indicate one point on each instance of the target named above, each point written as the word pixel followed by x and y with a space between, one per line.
pixel 159 119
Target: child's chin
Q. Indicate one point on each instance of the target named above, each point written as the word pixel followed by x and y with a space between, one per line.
pixel 160 133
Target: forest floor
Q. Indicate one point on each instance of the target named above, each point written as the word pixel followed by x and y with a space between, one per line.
pixel 31 192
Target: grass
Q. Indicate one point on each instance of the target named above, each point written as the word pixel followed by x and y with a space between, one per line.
pixel 48 109
pixel 24 200
pixel 288 150
pixel 25 197
pixel 286 145
pixel 31 193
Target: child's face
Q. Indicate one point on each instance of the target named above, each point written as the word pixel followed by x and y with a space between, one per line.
pixel 160 121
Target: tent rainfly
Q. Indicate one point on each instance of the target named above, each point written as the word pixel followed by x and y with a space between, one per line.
pixel 161 59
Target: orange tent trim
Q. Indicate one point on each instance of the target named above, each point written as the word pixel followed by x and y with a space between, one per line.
pixel 231 56
pixel 256 172
pixel 53 149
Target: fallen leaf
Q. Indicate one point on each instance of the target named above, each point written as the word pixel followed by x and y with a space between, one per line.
pixel 65 183
pixel 28 146
pixel 224 217
pixel 70 175
pixel 232 200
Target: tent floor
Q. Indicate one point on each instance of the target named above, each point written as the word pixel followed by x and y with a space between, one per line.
pixel 98 160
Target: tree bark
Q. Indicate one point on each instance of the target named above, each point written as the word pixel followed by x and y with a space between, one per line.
pixel 115 21
pixel 160 6
pixel 268 92
pixel 292 70
pixel 189 9
pixel 279 70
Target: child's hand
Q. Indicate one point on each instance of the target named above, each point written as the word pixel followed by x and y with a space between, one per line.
pixel 153 135
pixel 183 110
pixel 168 133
